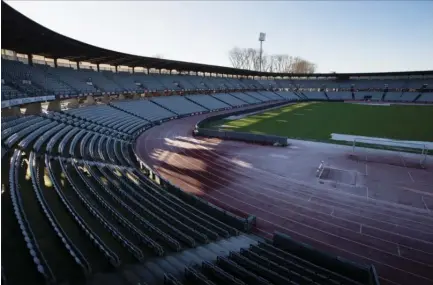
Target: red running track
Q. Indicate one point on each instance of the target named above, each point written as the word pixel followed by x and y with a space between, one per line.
pixel 271 183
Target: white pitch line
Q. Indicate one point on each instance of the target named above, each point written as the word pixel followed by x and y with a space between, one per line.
pixel 410 175
pixel 425 205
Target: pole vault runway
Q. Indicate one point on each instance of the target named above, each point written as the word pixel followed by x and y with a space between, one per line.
pixel 279 187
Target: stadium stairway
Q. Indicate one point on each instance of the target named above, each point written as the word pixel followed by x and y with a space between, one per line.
pixel 326 94
pixel 156 103
pixel 301 95
pixel 196 103
pixel 215 97
pixel 417 97
pixel 153 271
pixel 126 111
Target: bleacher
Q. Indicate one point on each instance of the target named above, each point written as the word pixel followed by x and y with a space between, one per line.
pixel 145 109
pixel 208 102
pixel 315 95
pixel 376 96
pixel 339 95
pixel 178 105
pixel 77 208
pixel 229 99
pixel 23 80
pixel 426 98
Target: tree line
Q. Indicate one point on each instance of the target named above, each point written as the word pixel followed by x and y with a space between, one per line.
pixel 249 58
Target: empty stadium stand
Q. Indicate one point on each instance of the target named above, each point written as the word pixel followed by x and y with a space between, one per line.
pixel 79 208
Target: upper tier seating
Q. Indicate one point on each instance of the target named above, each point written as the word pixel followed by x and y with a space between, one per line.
pixel 23 80
pixel 99 81
pixel 126 81
pixel 11 93
pixel 78 80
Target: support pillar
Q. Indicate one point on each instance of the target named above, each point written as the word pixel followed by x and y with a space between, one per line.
pixel 33 108
pixel 72 103
pixel 54 105
pixel 89 101
pixel 30 59
pixel 121 97
pixel 105 99
pixel 10 112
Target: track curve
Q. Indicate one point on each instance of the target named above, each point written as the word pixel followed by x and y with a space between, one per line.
pixel 268 183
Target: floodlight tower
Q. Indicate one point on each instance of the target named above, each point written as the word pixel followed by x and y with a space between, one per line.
pixel 262 38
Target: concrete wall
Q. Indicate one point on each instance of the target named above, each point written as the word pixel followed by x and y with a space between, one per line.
pixel 32 109
pixel 8 112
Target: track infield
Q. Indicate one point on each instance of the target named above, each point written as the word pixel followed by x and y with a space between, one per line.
pixel 317 121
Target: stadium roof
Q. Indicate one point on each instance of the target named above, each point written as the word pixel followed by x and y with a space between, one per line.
pixel 25 36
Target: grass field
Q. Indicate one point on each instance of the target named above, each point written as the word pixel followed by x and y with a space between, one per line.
pixel 316 121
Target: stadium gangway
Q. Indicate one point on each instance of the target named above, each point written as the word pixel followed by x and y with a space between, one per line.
pixel 69 246
pixel 99 243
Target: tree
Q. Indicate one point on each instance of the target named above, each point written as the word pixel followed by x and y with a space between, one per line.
pixel 249 58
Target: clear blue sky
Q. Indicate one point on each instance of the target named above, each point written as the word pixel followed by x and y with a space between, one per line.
pixel 341 36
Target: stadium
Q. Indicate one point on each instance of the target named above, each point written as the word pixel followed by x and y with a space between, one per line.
pixel 155 171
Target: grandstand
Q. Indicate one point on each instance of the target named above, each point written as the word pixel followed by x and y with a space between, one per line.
pixel 80 205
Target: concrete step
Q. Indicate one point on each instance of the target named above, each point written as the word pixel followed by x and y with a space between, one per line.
pixel 152 271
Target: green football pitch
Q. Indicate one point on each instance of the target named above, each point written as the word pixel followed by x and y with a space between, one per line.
pixel 316 121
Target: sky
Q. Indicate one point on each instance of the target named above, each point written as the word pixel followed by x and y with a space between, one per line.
pixel 338 36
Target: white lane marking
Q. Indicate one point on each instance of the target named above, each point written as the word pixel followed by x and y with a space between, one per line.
pixel 278 155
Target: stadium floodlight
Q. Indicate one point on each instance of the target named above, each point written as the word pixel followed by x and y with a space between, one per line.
pixel 262 38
